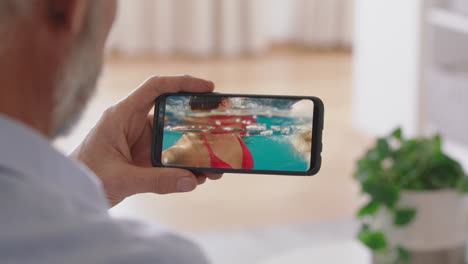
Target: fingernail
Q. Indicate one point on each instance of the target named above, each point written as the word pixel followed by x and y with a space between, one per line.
pixel 210 83
pixel 186 185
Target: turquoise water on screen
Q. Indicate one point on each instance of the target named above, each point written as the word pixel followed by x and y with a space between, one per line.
pixel 270 152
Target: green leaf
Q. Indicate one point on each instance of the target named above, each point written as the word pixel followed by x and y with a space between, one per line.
pixel 383 148
pixel 382 192
pixel 404 255
pixel 366 169
pixel 437 144
pixel 397 134
pixel 404 216
pixel 370 209
pixel 373 240
pixel 373 155
pixel 462 185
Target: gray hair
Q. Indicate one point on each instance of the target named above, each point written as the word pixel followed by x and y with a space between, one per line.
pixel 77 82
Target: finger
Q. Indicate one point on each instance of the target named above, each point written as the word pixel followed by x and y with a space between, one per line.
pixel 213 176
pixel 201 179
pixel 142 99
pixel 162 180
pixel 151 120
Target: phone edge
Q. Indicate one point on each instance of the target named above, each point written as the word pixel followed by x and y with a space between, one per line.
pixel 318 125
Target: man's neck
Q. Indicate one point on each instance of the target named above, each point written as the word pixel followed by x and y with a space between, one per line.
pixel 25 89
pixel 15 104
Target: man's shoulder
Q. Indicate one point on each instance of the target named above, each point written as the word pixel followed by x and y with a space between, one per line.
pixel 53 210
pixel 38 220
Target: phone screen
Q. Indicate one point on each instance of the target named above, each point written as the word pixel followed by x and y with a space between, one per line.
pixel 243 133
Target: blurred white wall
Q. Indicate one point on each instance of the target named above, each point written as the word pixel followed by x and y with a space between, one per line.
pixel 387 60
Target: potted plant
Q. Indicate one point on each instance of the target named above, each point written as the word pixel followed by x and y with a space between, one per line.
pixel 416 211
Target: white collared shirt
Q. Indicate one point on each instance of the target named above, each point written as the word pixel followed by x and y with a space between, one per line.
pixel 53 210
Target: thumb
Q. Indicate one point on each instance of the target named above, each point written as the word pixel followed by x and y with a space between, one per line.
pixel 163 180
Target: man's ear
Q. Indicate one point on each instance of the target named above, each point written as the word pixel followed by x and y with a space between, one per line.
pixel 69 15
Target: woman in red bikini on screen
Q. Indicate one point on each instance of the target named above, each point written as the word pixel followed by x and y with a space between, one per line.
pixel 220 145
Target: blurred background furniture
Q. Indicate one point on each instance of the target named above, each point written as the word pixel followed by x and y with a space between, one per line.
pixel 413 71
pixel 204 28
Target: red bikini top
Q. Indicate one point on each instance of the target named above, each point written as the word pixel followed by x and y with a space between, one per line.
pixel 247 159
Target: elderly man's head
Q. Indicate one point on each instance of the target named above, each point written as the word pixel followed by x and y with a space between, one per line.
pixel 69 37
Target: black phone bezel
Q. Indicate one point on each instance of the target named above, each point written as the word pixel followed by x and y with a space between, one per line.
pixel 317 128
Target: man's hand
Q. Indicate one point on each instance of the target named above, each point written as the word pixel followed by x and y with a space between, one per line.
pixel 118 148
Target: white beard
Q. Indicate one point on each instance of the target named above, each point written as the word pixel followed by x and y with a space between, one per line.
pixel 77 82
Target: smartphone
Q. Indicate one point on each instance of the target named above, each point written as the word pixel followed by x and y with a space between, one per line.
pixel 238 133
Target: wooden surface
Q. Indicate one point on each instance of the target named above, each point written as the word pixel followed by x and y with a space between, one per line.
pixel 248 201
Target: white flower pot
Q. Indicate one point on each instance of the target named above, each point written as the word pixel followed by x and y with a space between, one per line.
pixel 439 228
